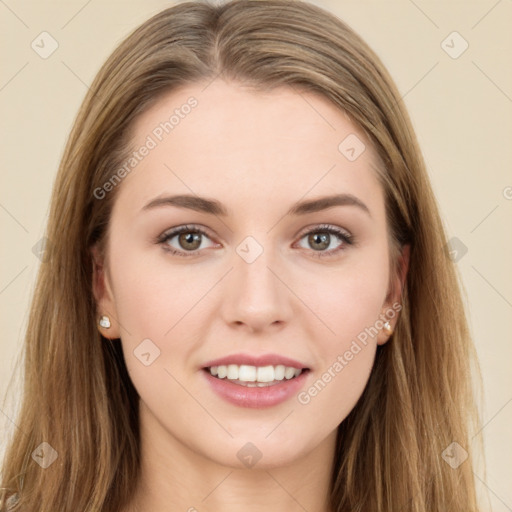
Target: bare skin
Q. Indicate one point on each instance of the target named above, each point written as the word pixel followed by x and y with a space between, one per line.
pixel 258 154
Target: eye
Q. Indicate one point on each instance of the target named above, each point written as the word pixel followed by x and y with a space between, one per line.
pixel 189 239
pixel 322 237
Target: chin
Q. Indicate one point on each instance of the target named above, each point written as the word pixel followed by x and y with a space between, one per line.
pixel 258 453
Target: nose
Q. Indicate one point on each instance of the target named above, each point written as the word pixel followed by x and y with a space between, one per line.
pixel 256 299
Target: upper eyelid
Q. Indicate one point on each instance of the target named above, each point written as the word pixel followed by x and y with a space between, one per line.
pixel 320 227
pixel 184 228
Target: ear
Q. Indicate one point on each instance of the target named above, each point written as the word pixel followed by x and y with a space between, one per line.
pixel 102 290
pixel 392 306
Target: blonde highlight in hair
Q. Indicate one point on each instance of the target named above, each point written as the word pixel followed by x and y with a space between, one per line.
pixel 77 393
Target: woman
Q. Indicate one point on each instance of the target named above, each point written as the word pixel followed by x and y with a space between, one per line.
pixel 247 300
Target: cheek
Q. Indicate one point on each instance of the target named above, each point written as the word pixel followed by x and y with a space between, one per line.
pixel 346 299
pixel 151 296
pixel 350 306
pixel 155 307
pixel 349 301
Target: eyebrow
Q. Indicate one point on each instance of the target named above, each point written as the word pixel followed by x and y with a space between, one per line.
pixel 214 207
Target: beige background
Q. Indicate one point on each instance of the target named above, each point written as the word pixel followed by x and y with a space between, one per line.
pixel 461 109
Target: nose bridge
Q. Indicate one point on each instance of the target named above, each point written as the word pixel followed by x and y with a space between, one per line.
pixel 255 296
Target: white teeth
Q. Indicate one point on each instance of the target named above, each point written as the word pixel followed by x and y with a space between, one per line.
pixel 232 372
pixel 279 372
pixel 259 375
pixel 246 373
pixel 265 374
pixel 289 372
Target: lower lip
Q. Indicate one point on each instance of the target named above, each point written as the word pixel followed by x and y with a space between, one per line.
pixel 256 397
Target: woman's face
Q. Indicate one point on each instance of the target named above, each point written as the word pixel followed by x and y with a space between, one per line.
pixel 284 253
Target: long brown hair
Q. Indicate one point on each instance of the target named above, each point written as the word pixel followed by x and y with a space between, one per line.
pixel 78 397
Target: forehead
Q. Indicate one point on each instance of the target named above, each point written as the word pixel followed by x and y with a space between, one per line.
pixel 228 141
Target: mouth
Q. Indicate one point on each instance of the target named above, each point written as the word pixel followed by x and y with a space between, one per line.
pixel 256 380
pixel 257 387
pixel 255 376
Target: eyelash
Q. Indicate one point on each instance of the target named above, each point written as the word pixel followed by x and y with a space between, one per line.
pixel 345 237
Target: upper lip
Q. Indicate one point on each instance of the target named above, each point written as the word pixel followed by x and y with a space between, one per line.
pixel 253 360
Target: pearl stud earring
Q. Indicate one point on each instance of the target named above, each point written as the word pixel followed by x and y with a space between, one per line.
pixel 104 321
pixel 387 328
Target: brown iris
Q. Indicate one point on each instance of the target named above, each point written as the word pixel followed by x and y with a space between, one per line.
pixel 322 239
pixel 190 240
